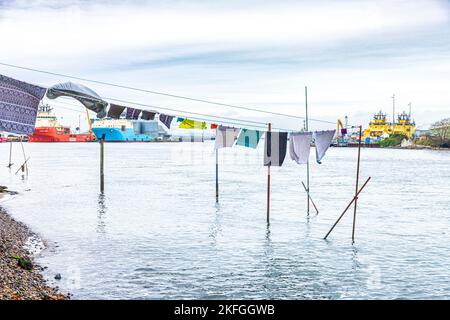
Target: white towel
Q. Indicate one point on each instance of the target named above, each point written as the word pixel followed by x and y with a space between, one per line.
pixel 225 137
pixel 300 146
pixel 322 141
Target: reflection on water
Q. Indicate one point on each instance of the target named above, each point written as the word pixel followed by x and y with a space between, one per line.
pixel 157 232
pixel 102 209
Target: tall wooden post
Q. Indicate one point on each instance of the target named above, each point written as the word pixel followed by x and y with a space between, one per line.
pixel 102 177
pixel 217 175
pixel 307 164
pixel 357 182
pixel 268 181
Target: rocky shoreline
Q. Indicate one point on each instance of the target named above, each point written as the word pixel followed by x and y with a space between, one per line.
pixel 20 277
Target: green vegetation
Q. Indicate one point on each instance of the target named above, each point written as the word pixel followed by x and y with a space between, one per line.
pixel 439 136
pixel 393 140
pixel 441 130
pixel 24 263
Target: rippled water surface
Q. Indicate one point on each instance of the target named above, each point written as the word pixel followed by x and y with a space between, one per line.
pixel 157 232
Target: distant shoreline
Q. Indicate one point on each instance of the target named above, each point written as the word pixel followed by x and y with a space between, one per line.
pixel 17 282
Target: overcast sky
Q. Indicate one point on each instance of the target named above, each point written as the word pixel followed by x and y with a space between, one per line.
pixel 352 55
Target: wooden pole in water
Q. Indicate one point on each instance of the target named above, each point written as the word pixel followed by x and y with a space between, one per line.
pixel 357 182
pixel 10 154
pixel 217 175
pixel 307 164
pixel 25 168
pixel 102 177
pixel 268 180
pixel 340 217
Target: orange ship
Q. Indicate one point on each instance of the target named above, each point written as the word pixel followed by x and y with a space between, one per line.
pixel 48 129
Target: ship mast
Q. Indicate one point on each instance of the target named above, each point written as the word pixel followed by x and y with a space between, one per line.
pixel 393 113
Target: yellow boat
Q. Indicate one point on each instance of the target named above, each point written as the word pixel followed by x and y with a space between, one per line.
pixel 379 127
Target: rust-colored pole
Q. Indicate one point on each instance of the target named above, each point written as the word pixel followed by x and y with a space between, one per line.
pixel 268 182
pixel 357 182
pixel 345 210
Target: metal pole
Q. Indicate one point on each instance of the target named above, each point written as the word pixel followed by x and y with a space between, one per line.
pixel 268 182
pixel 217 175
pixel 102 177
pixel 307 164
pixel 357 182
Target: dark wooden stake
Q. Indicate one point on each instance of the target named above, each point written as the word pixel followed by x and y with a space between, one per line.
pixel 340 217
pixel 102 177
pixel 217 175
pixel 10 154
pixel 268 183
pixel 25 164
pixel 22 167
pixel 357 182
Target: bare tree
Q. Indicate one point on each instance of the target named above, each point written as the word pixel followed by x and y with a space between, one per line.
pixel 441 129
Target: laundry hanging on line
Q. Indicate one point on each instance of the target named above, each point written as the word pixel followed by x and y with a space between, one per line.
pixel 300 146
pixel 132 113
pixel 166 119
pixel 322 140
pixel 115 111
pixel 192 124
pixel 86 96
pixel 225 137
pixel 249 138
pixel 275 148
pixel 148 115
pixel 19 102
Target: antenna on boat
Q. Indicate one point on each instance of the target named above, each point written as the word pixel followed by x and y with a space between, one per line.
pixel 393 112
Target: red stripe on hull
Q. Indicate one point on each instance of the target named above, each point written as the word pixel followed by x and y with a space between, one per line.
pixel 58 134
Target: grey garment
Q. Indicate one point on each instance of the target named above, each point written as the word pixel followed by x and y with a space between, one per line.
pixel 115 111
pixel 132 113
pixel 275 148
pixel 322 140
pixel 148 115
pixel 166 119
pixel 87 97
pixel 300 146
pixel 225 137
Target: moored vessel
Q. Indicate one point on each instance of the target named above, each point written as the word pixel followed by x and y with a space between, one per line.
pixel 124 130
pixel 48 129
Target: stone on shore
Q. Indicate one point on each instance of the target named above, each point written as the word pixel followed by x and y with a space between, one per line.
pixel 20 278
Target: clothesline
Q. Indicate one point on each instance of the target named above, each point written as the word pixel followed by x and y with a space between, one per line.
pixel 203 117
pixel 164 94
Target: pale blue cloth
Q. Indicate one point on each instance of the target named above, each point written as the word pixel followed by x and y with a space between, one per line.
pixel 322 140
pixel 249 138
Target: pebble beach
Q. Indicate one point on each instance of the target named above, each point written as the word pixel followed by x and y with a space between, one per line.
pixel 20 277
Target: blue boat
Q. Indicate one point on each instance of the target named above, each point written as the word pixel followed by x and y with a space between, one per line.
pixel 123 130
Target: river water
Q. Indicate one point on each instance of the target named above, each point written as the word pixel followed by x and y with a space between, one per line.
pixel 157 233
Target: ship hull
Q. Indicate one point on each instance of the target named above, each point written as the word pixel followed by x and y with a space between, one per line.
pixel 119 135
pixel 51 134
